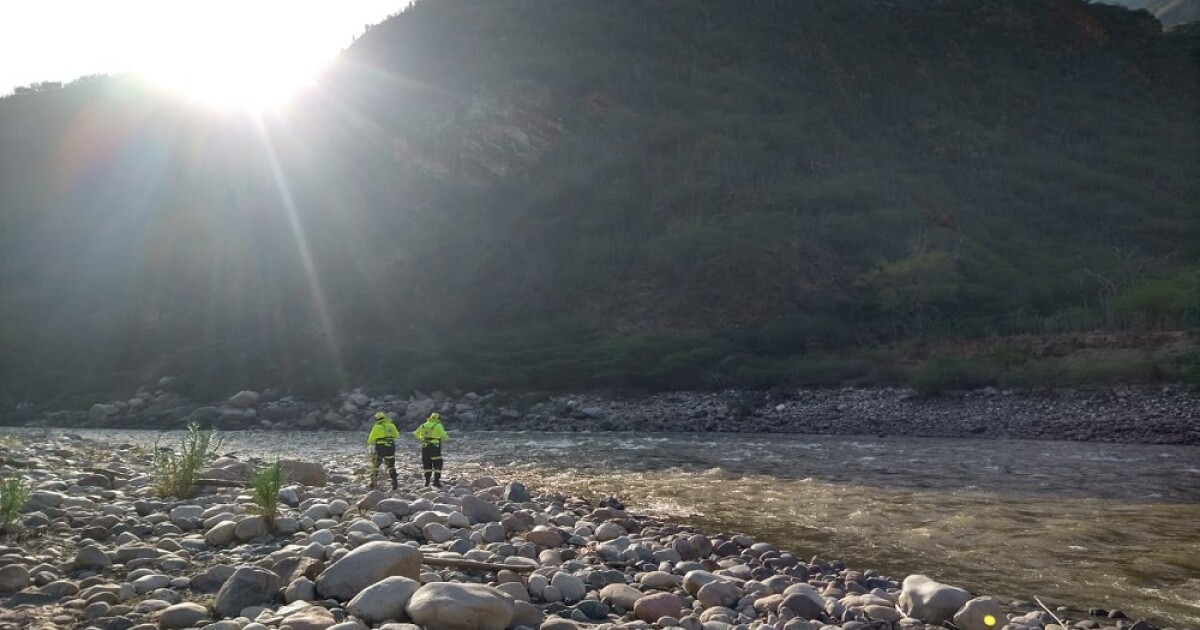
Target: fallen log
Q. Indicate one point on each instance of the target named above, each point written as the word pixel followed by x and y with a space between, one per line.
pixel 463 563
pixel 222 483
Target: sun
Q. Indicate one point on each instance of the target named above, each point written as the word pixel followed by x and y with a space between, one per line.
pixel 250 85
pixel 251 55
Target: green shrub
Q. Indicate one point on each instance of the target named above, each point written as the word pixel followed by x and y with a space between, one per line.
pixel 13 494
pixel 265 484
pixel 175 472
pixel 940 374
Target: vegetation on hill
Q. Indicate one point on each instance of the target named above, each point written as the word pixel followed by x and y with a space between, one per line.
pixel 1169 12
pixel 576 194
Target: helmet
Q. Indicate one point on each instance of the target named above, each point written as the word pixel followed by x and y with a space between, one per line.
pixel 434 416
pixel 379 415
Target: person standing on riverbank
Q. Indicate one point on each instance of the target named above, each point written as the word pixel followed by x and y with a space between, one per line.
pixel 382 444
pixel 432 435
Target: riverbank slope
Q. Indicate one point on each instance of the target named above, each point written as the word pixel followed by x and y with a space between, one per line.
pixel 1150 415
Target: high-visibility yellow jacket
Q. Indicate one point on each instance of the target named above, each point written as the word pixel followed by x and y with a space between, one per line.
pixel 383 432
pixel 431 432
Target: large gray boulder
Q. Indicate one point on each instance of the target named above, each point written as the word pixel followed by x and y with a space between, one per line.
pixel 248 586
pixel 306 473
pixel 804 600
pixel 719 593
pixel 366 565
pixel 383 600
pixel 932 602
pixel 981 613
pixel 244 399
pixel 183 615
pixel 480 511
pixel 655 606
pixel 572 587
pixel 13 577
pixel 621 595
pixel 459 606
pixel 92 557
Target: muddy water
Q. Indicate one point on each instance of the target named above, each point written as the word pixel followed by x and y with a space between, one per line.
pixel 1078 524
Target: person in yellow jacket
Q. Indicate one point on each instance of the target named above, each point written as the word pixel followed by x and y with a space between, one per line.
pixel 381 446
pixel 432 435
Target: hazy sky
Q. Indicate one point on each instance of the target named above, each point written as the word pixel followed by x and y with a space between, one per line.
pixel 224 50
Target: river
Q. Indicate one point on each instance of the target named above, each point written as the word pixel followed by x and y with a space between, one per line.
pixel 1078 524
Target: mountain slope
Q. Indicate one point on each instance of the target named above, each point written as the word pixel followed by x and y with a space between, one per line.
pixel 569 194
pixel 1169 12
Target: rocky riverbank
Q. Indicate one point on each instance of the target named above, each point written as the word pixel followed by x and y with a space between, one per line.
pixel 94 547
pixel 1157 415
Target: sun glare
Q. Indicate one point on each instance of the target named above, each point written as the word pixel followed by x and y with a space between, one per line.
pixel 222 81
pixel 228 53
pixel 249 55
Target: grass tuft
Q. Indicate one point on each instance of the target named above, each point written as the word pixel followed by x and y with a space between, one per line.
pixel 13 494
pixel 176 472
pixel 265 484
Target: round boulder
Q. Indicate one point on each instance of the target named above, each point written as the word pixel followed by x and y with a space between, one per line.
pixel 932 602
pixel 655 606
pixel 383 600
pixel 459 606
pixel 366 565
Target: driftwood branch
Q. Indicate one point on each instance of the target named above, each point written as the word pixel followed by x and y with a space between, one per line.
pixel 222 483
pixel 462 563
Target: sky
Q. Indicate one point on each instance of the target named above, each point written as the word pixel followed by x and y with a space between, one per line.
pixel 234 52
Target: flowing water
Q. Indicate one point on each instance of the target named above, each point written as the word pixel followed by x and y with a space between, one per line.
pixel 1077 524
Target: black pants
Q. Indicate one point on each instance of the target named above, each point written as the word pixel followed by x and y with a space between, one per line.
pixel 431 461
pixel 384 454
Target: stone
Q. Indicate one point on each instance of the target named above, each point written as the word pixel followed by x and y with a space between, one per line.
pixel 660 580
pixel 693 580
pixel 804 600
pixel 515 492
pixel 306 473
pixel 384 600
pixel 311 618
pixel 247 586
pixel 621 595
pixel 92 558
pixel 479 511
pixel 932 602
pixel 250 528
pixel 183 615
pixel 544 536
pixel 436 533
pixel 244 399
pixel 719 593
pixel 889 614
pixel 221 534
pixel 300 589
pixel 609 531
pixel 980 613
pixel 13 577
pixel 211 580
pixel 655 606
pixel 460 606
pixel 366 565
pixel 572 587
pixel 526 614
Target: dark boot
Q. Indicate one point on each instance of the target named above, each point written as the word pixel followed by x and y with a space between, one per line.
pixel 426 479
pixel 437 479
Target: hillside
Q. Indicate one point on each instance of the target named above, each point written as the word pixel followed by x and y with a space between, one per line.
pixel 1169 12
pixel 572 194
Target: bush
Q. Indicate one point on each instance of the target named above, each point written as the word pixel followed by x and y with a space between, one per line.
pixel 175 473
pixel 940 374
pixel 13 494
pixel 266 483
